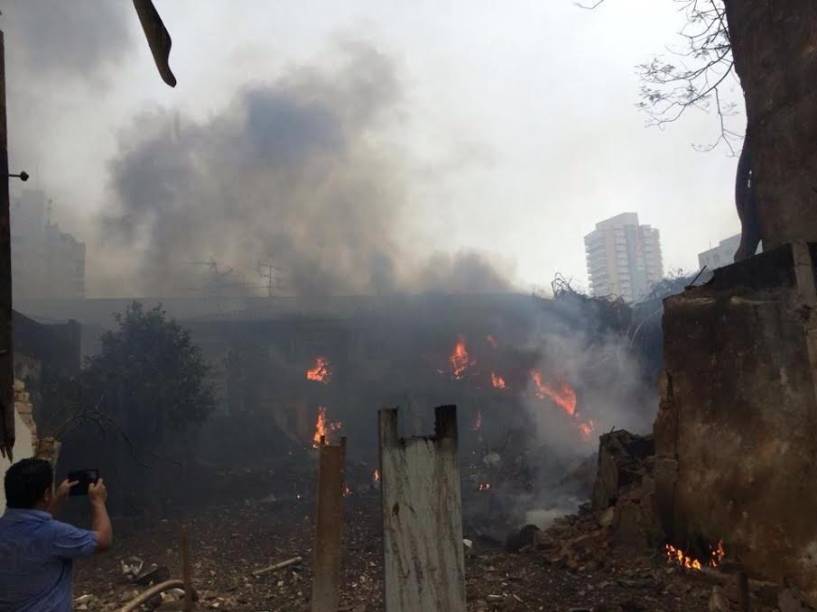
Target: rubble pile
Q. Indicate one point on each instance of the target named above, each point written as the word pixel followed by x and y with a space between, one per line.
pixel 624 490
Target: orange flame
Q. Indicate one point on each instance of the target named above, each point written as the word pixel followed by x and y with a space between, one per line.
pixel 320 371
pixel 718 553
pixel 586 429
pixel 460 360
pixel 323 428
pixel 564 396
pixel 676 555
pixel 497 382
pixel 679 557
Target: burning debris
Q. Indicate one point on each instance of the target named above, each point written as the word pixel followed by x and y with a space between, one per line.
pixel 460 360
pixel 324 428
pixel 564 397
pixel 678 556
pixel 498 382
pixel 320 371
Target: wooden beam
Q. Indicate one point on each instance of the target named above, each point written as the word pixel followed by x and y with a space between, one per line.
pixel 6 355
pixel 328 527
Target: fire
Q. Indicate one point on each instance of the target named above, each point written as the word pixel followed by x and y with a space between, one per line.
pixel 485 486
pixel 323 428
pixel 679 557
pixel 460 360
pixel 718 553
pixel 676 555
pixel 586 429
pixel 320 371
pixel 497 382
pixel 564 396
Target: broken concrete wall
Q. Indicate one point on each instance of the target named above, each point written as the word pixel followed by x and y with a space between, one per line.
pixel 38 348
pixel 736 433
pixel 26 440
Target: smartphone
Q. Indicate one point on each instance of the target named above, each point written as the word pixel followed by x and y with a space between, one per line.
pixel 83 479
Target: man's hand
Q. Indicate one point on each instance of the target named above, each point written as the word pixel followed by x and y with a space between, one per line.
pixel 64 489
pixel 97 493
pixel 61 493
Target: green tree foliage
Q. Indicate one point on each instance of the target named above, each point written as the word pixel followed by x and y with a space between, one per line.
pixel 149 376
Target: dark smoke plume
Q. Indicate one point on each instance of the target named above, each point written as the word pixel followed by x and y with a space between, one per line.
pixel 294 174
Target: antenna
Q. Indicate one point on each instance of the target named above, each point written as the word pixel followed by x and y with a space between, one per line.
pixel 268 272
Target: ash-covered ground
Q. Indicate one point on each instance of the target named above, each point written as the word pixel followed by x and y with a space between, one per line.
pixel 264 516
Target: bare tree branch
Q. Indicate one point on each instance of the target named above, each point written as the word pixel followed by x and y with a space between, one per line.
pixel 695 79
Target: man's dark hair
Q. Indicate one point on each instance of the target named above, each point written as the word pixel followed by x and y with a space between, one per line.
pixel 27 481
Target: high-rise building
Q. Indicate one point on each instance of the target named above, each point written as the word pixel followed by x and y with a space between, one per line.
pixel 623 258
pixel 721 255
pixel 45 261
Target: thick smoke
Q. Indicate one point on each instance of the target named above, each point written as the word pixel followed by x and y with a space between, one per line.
pixel 296 174
pixel 58 38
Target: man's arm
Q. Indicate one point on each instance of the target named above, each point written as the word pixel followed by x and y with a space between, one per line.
pixel 100 521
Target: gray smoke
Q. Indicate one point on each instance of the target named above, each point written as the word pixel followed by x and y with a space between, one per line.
pixel 294 173
pixel 66 38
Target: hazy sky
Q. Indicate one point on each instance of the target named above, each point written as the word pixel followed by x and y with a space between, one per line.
pixel 516 121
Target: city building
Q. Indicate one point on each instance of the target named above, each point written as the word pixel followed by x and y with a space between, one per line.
pixel 623 258
pixel 721 255
pixel 45 261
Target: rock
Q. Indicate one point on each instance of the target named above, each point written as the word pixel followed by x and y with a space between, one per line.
pixel 519 540
pixel 789 601
pixel 153 575
pixel 492 459
pixel 132 567
pixel 718 602
pixel 607 517
pixel 621 463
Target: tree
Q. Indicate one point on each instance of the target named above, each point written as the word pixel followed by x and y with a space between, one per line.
pixel 695 74
pixel 147 390
pixel 150 375
pixel 771 48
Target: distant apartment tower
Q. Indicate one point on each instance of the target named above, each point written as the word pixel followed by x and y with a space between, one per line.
pixel 45 262
pixel 723 254
pixel 623 258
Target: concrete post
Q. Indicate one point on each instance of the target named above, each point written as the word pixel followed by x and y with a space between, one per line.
pixel 422 517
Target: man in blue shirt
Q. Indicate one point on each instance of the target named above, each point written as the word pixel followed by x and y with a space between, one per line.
pixel 36 551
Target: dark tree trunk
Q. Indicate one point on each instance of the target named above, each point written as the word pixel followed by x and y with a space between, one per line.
pixel 774 43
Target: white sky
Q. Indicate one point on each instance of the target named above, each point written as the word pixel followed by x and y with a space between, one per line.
pixel 519 118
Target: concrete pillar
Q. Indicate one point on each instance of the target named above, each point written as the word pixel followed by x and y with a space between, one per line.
pixel 422 517
pixel 736 432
